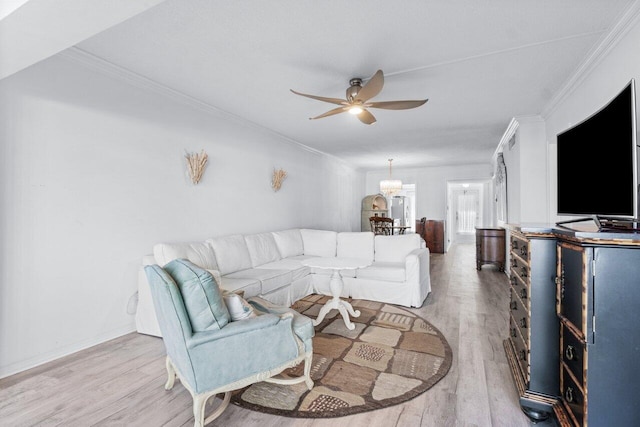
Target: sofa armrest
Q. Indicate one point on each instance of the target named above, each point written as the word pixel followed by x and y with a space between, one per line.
pixel 418 274
pixel 417 265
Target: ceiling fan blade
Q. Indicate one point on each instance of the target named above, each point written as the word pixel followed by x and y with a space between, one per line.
pixel 322 98
pixel 372 87
pixel 366 117
pixel 396 105
pixel 331 113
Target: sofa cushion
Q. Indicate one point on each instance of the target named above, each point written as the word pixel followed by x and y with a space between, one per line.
pixel 262 248
pixel 250 287
pixel 395 248
pixel 319 242
pixel 329 272
pixel 289 242
pixel 355 245
pixel 199 253
pixel 231 253
pixel 387 271
pixel 298 270
pixel 201 295
pixel 270 280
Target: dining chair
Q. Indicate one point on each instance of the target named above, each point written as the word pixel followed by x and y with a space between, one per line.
pixel 381 225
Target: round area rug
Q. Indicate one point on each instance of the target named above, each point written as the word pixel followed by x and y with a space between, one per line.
pixel 391 356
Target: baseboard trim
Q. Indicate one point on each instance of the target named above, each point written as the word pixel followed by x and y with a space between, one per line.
pixel 23 365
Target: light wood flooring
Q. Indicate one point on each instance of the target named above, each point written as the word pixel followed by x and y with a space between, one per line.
pixel 120 382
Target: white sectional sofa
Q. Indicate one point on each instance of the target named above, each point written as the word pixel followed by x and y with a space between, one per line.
pixel 269 265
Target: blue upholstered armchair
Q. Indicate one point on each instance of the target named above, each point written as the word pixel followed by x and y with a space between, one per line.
pixel 211 354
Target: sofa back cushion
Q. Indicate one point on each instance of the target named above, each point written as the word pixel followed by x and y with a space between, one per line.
pixel 262 248
pixel 199 253
pixel 289 242
pixel 356 245
pixel 395 248
pixel 201 295
pixel 231 253
pixel 319 242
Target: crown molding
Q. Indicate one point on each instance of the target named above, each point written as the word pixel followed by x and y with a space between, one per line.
pixel 95 63
pixel 607 43
pixel 514 124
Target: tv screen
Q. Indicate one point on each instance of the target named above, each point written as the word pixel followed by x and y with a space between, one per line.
pixel 597 163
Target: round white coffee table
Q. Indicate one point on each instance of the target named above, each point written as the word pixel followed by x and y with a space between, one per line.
pixel 336 284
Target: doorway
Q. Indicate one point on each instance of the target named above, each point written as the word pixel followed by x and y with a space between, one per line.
pixel 468 207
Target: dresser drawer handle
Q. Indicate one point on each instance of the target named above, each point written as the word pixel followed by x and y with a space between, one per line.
pixel 568 395
pixel 523 322
pixel 523 251
pixel 523 355
pixel 523 294
pixel 514 305
pixel 570 353
pixel 514 332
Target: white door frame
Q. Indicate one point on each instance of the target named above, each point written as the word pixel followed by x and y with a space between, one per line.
pixel 485 205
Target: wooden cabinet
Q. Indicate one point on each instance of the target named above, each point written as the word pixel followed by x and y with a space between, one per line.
pixel 434 236
pixel 533 345
pixel 598 292
pixel 372 205
pixel 490 247
pixel 432 231
pixel 574 341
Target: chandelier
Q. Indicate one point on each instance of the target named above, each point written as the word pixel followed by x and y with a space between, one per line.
pixel 390 187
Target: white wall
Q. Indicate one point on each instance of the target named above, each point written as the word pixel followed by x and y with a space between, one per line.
pixel 597 87
pixel 93 174
pixel 526 165
pixel 431 184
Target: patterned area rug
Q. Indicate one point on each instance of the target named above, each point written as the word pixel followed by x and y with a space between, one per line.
pixel 391 356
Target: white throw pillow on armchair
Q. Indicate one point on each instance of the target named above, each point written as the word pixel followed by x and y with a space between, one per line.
pixel 238 307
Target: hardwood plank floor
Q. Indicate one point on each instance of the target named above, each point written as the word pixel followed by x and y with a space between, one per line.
pixel 121 382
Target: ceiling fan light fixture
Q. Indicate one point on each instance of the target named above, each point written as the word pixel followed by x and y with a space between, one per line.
pixel 355 110
pixel 357 100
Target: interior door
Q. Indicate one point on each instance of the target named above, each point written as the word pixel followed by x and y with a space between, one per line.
pixel 467 210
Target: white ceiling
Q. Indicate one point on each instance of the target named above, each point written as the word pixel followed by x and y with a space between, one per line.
pixel 479 63
pixel 32 30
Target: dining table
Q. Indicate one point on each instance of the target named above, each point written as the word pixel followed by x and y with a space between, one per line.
pixel 399 229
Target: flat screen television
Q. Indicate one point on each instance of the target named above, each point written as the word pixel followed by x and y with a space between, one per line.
pixel 598 163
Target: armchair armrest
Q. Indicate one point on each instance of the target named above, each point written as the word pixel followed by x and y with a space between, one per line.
pixel 234 328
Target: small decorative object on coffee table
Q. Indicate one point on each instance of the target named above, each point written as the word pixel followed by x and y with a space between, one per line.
pixel 336 285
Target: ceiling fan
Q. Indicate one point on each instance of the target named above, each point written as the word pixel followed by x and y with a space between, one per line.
pixel 357 100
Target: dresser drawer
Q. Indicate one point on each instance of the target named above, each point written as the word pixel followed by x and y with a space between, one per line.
pixel 572 397
pixel 573 354
pixel 520 314
pixel 520 268
pixel 520 247
pixel 520 288
pixel 522 350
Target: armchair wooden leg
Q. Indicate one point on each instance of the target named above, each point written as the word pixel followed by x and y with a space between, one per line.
pixel 215 414
pixel 171 374
pixel 307 370
pixel 199 405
